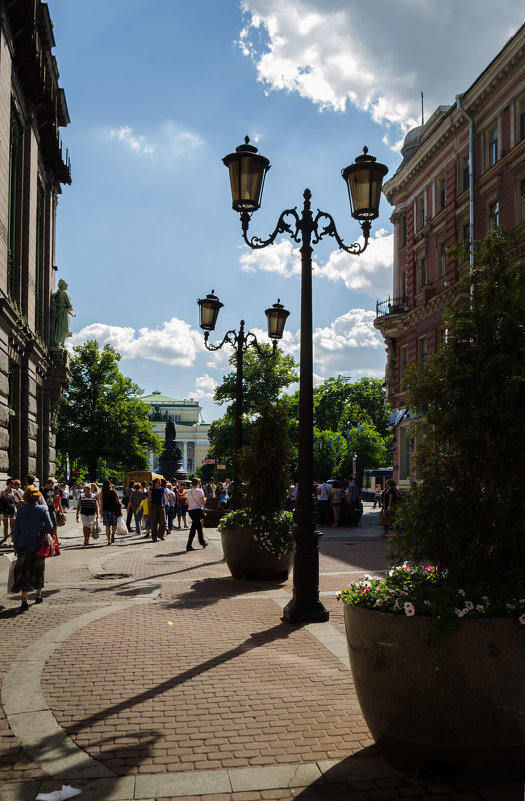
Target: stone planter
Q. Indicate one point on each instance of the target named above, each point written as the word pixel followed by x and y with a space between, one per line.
pixel 460 699
pixel 246 560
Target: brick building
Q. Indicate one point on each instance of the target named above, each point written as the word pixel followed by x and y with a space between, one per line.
pixel 32 168
pixel 463 173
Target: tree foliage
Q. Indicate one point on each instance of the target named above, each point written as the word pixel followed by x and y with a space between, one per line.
pixel 466 513
pixel 265 461
pixel 338 401
pixel 264 379
pixel 101 422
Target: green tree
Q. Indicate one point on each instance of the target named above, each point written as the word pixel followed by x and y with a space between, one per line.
pixel 101 418
pixel 370 448
pixel 339 400
pixel 266 460
pixel 264 380
pixel 466 512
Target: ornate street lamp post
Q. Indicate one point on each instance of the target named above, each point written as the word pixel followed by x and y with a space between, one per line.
pixel 276 315
pixel 364 179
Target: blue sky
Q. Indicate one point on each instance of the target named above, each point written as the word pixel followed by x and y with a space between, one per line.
pixel 160 90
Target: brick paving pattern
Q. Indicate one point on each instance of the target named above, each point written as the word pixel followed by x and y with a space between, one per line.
pixel 226 686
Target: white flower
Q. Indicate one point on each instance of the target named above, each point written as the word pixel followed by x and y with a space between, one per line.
pixel 427 603
pixel 480 608
pixel 522 619
pixel 462 592
pixel 459 613
pixel 469 605
pixel 511 606
pixel 466 610
pixel 409 609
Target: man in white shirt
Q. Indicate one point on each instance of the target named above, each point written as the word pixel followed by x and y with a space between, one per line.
pixel 323 503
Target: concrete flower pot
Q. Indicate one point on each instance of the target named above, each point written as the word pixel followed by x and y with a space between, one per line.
pixel 460 699
pixel 247 560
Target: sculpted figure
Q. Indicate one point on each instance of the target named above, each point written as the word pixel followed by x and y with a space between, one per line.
pixel 61 308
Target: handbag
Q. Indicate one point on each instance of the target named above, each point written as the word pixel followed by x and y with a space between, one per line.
pixel 385 519
pixel 46 546
pixel 60 518
pixel 95 530
pixel 11 575
pixel 121 526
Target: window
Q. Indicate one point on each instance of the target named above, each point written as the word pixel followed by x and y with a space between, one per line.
pixel 464 174
pixel 522 218
pixel 522 119
pixel 404 284
pixel 442 260
pixel 441 195
pixel 39 261
pixel 442 336
pixel 403 361
pixel 494 215
pixel 422 351
pixel 15 206
pixel 404 453
pixel 493 147
pixel 403 232
pixel 420 212
pixel 422 272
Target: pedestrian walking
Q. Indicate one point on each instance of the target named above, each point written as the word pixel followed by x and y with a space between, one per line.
pixel 323 503
pixel 32 528
pixel 157 517
pixel 196 501
pixel 109 505
pixel 377 495
pixel 391 498
pixel 8 503
pixel 144 513
pixel 134 505
pixel 126 496
pixel 335 502
pixel 182 505
pixel 87 508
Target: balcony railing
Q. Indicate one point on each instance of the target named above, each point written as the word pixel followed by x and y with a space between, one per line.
pixel 391 306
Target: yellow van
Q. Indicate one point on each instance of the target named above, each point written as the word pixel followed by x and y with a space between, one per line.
pixel 137 476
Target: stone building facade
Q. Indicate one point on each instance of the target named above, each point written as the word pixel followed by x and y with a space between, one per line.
pixel 33 167
pixel 192 432
pixel 463 173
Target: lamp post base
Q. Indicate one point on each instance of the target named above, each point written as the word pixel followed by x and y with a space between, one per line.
pixel 305 610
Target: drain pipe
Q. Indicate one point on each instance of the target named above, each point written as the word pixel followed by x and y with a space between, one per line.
pixel 470 182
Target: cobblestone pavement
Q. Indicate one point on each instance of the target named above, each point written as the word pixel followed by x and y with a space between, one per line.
pixel 149 673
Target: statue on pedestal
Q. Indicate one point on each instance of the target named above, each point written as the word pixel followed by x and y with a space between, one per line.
pixel 61 308
pixel 170 460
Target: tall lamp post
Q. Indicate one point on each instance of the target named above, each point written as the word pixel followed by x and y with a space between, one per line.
pixel 209 308
pixel 364 179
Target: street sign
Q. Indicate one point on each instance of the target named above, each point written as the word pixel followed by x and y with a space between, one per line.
pixel 208 461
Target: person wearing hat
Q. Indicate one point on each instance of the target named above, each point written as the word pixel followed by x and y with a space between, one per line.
pixel 32 526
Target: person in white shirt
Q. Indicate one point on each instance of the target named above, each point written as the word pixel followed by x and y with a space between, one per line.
pixel 196 500
pixel 323 503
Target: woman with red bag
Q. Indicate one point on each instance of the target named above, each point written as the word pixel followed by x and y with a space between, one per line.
pixel 30 536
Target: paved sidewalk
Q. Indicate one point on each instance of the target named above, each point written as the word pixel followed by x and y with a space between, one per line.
pixel 148 673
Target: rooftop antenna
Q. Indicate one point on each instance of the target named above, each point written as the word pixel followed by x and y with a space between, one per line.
pixel 422 111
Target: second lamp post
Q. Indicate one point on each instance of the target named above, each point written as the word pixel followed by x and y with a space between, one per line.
pixel 276 315
pixel 364 179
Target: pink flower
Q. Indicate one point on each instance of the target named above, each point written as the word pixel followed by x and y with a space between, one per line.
pixel 522 619
pixel 409 609
pixel 459 613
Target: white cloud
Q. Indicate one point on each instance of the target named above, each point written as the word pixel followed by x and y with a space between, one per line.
pixel 175 342
pixel 377 58
pixel 204 387
pixel 137 144
pixel 370 273
pixel 350 346
pixel 169 141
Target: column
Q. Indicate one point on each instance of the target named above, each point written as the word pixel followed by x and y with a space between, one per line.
pixel 185 455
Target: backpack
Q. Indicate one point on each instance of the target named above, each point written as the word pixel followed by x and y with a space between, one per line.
pixel 7 506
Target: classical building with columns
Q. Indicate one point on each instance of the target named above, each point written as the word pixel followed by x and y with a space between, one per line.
pixel 32 169
pixel 462 174
pixel 192 432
